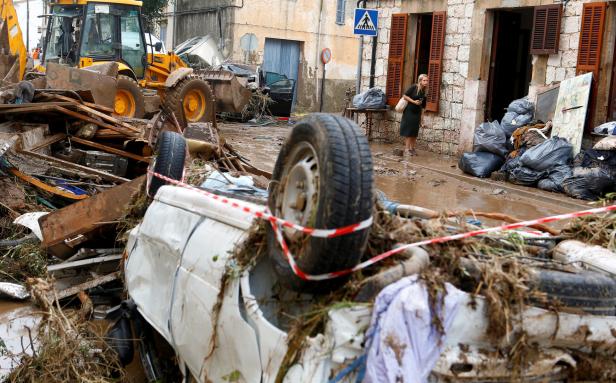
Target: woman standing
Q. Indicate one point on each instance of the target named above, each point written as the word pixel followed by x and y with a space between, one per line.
pixel 411 117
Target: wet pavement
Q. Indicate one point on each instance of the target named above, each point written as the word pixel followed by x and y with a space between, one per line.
pixel 428 180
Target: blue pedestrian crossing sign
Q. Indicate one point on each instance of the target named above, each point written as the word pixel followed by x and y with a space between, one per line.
pixel 366 22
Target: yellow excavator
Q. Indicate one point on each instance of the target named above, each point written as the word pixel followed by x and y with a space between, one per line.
pixel 82 33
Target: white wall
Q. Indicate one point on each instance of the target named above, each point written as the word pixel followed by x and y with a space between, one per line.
pixel 35 23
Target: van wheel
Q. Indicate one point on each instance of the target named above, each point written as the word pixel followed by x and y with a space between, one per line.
pixel 169 161
pixel 322 179
pixel 586 291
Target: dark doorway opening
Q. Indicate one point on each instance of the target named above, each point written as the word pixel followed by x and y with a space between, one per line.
pixel 510 62
pixel 422 52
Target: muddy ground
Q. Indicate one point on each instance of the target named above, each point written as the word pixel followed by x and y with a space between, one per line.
pixel 428 180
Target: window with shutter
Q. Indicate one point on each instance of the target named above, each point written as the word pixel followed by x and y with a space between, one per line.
pixel 395 64
pixel 546 29
pixel 340 12
pixel 589 50
pixel 435 66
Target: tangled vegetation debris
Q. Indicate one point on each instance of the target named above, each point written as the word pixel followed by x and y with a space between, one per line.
pixel 593 229
pixel 66 348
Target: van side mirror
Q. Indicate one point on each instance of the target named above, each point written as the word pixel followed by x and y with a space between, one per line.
pixel 158 46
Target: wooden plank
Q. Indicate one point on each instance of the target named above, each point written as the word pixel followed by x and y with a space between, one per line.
pixel 72 100
pixel 84 216
pixel 70 165
pixel 48 188
pixel 87 285
pixel 109 118
pixel 83 262
pixel 54 107
pixel 109 149
pixel 48 141
pixel 33 104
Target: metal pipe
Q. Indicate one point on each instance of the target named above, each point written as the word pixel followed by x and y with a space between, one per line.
pixel 373 62
pixel 317 55
pixel 360 55
pixel 27 27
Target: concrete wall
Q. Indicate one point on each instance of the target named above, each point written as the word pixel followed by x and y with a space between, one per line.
pixel 198 18
pixel 313 23
pixel 466 57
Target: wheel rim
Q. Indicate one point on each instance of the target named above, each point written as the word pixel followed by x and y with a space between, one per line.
pixel 300 188
pixel 194 105
pixel 125 104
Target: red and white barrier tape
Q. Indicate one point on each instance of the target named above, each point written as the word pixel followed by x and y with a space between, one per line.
pixel 277 223
pixel 263 214
pixel 320 277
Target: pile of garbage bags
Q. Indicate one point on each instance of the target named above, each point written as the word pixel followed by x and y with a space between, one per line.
pixel 373 98
pixel 522 154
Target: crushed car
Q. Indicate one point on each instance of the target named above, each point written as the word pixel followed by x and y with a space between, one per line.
pixel 212 284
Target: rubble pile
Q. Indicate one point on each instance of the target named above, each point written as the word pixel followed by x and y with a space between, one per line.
pixel 522 152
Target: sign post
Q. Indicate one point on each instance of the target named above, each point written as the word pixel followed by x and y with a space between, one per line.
pixel 366 24
pixel 326 57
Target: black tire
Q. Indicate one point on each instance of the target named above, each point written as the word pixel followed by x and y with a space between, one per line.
pixel 130 86
pixel 590 292
pixel 344 197
pixel 169 161
pixel 174 99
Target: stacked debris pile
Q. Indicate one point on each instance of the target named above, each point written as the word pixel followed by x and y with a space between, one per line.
pixel 521 151
pixel 508 274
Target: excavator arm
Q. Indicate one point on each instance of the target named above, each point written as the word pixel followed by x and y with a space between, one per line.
pixel 11 43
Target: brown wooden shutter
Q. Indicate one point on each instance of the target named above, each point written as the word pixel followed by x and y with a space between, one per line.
pixel 395 64
pixel 591 39
pixel 589 50
pixel 546 29
pixel 435 66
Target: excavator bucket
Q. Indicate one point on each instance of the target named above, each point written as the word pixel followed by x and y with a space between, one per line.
pixel 231 96
pixel 9 64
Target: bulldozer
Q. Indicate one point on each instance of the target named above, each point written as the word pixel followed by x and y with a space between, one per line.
pixel 82 33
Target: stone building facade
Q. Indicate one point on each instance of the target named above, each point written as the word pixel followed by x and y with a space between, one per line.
pixel 481 36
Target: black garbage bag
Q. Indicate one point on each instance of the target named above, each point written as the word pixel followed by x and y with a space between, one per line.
pixel 521 106
pixel 511 121
pixel 480 164
pixel 549 154
pixel 588 183
pixel 373 98
pixel 521 175
pixel 556 177
pixel 490 137
pixel 510 164
pixel 596 158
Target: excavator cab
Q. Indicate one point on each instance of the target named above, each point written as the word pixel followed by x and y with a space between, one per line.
pixel 97 32
pixel 85 32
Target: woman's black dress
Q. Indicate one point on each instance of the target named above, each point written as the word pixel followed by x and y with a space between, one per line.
pixel 409 127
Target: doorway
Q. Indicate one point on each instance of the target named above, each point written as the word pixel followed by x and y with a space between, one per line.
pixel 510 61
pixel 422 52
pixel 281 62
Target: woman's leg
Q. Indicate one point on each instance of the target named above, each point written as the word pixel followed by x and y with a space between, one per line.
pixel 407 143
pixel 413 142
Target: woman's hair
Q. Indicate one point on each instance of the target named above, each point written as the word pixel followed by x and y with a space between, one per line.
pixel 421 77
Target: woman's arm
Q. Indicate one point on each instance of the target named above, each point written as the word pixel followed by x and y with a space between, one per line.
pixel 407 98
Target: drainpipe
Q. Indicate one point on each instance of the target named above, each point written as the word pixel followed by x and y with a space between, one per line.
pixel 373 62
pixel 360 53
pixel 317 55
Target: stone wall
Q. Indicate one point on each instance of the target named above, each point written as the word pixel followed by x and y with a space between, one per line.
pixel 466 65
pixel 440 132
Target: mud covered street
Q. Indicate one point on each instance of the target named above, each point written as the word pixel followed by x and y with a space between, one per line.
pixel 428 180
